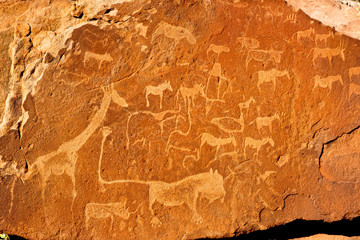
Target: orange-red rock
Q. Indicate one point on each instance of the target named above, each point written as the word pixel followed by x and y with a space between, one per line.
pixel 174 119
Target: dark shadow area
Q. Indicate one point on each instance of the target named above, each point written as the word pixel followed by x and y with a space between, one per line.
pixel 14 237
pixel 303 228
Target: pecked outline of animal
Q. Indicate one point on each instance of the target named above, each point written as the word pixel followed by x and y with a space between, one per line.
pixel 353 71
pixel 327 82
pixel 157 90
pixel 323 37
pixel 270 76
pixel 328 53
pixel 105 210
pixel 246 104
pixel 264 56
pixel 257 144
pixel 209 185
pixel 353 89
pixel 188 94
pixel 265 122
pixel 215 142
pixel 304 34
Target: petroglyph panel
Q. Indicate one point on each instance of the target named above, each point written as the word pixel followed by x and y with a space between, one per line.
pixel 174 120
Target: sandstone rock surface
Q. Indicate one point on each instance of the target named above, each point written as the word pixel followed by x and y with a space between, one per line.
pixel 152 119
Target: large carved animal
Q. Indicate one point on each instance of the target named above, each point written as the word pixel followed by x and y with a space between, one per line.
pixel 328 53
pixel 208 185
pixel 327 82
pixel 216 142
pixel 263 56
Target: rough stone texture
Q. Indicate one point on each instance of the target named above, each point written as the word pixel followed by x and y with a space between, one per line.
pixel 174 119
pixel 328 237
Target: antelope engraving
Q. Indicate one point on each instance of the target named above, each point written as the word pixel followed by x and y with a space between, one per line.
pixel 257 144
pixel 246 104
pixel 323 37
pixel 247 42
pixel 215 142
pixel 353 71
pixel 270 76
pixel 105 210
pixel 263 56
pixel 353 89
pixel 327 81
pixel 328 53
pixel 157 90
pixel 304 34
pixel 265 121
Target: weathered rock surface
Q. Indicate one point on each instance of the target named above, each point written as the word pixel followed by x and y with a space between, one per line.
pixel 173 119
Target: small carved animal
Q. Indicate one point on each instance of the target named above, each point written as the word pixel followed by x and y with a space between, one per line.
pixel 157 90
pixel 257 144
pixel 353 71
pixel 327 81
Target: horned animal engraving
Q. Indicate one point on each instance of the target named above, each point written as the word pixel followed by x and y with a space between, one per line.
pixel 328 53
pixel 263 56
pixel 265 121
pixel 353 71
pixel 327 81
pixel 157 90
pixel 246 104
pixel 174 32
pixel 270 76
pixel 257 144
pixel 304 34
pixel 353 89
pixel 104 210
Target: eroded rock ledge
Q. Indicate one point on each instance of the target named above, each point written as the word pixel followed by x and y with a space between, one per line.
pixel 173 119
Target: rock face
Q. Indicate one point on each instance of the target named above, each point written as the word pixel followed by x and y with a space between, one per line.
pixel 173 119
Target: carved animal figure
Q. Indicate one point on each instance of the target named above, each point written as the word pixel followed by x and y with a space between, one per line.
pixel 215 142
pixel 328 53
pixel 304 34
pixel 265 121
pixel 174 32
pixel 327 81
pixel 248 42
pixel 353 89
pixel 257 144
pixel 270 76
pixel 353 71
pixel 323 37
pixel 217 49
pixel 105 210
pixel 208 185
pixel 64 159
pixel 263 56
pixel 188 94
pixel 157 90
pixel 246 104
pixel 99 57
